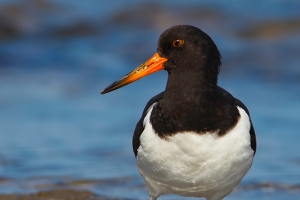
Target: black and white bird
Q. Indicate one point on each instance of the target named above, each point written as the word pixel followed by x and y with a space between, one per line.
pixel 194 139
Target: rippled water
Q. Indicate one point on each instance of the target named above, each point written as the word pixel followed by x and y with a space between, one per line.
pixel 57 131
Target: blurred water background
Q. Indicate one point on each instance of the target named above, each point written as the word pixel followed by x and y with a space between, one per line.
pixel 58 133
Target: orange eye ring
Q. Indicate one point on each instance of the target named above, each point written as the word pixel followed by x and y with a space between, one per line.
pixel 178 43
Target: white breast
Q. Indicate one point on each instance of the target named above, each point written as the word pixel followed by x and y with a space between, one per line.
pixel 191 164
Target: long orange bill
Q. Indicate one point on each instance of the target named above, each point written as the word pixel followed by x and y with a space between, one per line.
pixel 154 64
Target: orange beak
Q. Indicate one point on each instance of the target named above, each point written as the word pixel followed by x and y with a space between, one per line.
pixel 154 64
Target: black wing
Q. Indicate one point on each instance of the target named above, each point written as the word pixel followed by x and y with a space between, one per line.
pixel 252 132
pixel 140 126
pixel 237 102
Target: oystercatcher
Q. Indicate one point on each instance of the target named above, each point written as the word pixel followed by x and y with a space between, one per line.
pixel 194 139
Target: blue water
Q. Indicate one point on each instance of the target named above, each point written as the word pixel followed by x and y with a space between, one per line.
pixel 55 125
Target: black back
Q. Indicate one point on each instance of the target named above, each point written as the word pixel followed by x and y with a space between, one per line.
pixel 221 123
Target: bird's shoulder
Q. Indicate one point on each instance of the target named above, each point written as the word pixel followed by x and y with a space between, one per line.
pixel 140 125
pixel 231 99
pixel 240 104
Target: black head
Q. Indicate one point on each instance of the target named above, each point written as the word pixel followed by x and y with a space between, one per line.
pixel 188 48
pixel 184 51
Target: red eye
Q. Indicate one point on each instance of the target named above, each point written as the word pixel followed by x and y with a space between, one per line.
pixel 178 43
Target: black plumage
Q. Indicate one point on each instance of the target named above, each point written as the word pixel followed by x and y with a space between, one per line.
pixel 192 100
pixel 168 158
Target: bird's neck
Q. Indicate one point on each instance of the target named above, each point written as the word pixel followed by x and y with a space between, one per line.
pixel 191 89
pixel 185 102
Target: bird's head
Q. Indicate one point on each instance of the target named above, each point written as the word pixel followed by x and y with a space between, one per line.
pixel 182 49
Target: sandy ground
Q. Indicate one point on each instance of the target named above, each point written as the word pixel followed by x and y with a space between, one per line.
pixel 55 195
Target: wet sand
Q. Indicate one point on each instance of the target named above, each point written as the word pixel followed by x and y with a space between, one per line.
pixel 55 195
pixel 54 188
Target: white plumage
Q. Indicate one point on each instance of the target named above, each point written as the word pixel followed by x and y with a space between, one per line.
pixel 198 165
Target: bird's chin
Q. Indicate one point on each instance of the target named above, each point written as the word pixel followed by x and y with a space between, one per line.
pixel 169 66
